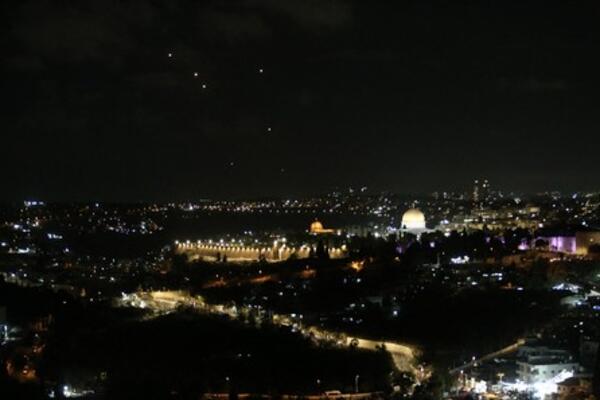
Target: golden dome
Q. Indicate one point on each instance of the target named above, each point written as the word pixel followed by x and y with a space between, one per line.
pixel 413 219
pixel 316 226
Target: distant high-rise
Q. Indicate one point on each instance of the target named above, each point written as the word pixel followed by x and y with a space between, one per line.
pixel 481 192
pixel 485 190
pixel 476 191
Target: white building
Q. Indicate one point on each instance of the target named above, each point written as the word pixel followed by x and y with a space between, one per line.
pixel 541 364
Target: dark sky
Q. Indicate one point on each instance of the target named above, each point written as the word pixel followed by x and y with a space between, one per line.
pixel 406 96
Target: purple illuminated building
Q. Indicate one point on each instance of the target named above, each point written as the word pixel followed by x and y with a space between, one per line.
pixel 561 244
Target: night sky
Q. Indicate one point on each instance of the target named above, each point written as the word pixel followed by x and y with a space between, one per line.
pixel 173 100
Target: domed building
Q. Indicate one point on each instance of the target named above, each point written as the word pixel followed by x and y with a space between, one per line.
pixel 317 228
pixel 413 221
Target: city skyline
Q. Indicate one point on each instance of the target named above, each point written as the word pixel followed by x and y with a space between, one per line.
pixel 300 200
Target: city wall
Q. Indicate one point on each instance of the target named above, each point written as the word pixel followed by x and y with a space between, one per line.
pixel 213 252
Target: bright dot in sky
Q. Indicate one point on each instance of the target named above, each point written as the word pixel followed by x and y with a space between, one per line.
pixel 231 164
pixel 269 129
pixel 195 74
pixel 260 70
pixel 282 170
pixel 170 55
pixel 204 86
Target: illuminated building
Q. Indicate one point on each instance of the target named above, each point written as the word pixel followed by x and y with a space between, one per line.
pixel 481 192
pixel 542 370
pixel 540 363
pixel 561 244
pixel 316 228
pixel 475 195
pixel 278 251
pixel 585 239
pixel 574 386
pixel 577 242
pixel 413 221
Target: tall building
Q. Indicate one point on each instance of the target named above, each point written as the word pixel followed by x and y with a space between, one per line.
pixel 475 196
pixel 481 192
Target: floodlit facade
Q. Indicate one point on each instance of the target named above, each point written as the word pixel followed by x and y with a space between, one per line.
pixel 542 370
pixel 584 240
pixel 574 386
pixel 561 244
pixel 540 364
pixel 208 251
pixel 573 243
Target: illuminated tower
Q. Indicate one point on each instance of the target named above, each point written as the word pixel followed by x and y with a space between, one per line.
pixel 485 191
pixel 481 193
pixel 476 192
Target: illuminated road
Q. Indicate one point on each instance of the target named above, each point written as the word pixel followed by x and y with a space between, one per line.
pixel 402 355
pixel 161 303
pixel 506 350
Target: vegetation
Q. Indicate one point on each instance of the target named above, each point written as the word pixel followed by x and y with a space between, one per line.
pixel 190 354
